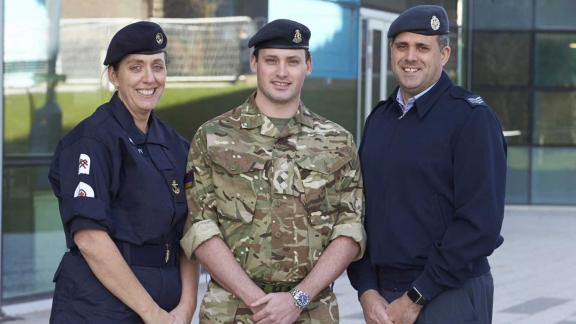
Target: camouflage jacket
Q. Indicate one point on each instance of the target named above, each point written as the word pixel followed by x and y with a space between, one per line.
pixel 277 198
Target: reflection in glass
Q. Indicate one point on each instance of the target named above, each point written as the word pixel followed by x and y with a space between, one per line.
pixel 513 110
pixel 555 118
pixel 502 14
pixel 517 177
pixel 501 59
pixel 33 241
pixel 555 60
pixel 554 175
pixel 557 14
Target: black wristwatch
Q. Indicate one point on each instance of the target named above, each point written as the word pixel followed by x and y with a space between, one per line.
pixel 416 297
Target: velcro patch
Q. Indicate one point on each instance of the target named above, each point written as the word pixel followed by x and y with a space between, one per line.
pixel 84 164
pixel 84 190
pixel 189 179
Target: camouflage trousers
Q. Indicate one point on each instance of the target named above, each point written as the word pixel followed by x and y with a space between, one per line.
pixel 221 307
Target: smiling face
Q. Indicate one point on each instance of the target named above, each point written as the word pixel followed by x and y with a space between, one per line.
pixel 417 61
pixel 140 80
pixel 281 74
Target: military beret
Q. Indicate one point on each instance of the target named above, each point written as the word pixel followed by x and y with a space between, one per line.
pixel 424 20
pixel 143 37
pixel 281 33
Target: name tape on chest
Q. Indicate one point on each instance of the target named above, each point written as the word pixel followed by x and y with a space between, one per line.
pixel 84 164
pixel 84 190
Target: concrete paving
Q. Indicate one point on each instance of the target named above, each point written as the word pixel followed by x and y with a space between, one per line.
pixel 534 272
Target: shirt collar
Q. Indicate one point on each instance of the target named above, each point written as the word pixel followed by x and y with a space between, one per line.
pixel 407 105
pixel 126 121
pixel 251 117
pixel 426 99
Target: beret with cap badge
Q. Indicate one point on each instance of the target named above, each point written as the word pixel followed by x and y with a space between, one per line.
pixel 423 20
pixel 281 33
pixel 143 37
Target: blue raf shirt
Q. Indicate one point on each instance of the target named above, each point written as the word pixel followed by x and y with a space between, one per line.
pixel 434 184
pixel 109 175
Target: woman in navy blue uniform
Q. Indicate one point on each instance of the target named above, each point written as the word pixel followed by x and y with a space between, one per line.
pixel 119 178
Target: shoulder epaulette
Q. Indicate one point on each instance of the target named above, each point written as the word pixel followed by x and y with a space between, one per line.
pixel 472 99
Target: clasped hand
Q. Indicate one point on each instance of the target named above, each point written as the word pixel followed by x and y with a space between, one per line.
pixel 275 308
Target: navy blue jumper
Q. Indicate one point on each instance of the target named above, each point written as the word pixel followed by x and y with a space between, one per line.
pixel 108 175
pixel 434 187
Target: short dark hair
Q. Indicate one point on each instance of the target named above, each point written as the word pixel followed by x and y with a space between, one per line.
pixel 443 41
pixel 306 53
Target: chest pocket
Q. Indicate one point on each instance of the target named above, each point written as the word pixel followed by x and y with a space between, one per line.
pixel 319 176
pixel 237 177
pixel 171 176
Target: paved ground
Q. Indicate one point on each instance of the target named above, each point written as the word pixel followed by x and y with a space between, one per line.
pixel 534 272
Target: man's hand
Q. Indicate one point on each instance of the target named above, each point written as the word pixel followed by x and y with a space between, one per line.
pixel 157 315
pixel 403 310
pixel 182 314
pixel 374 307
pixel 279 308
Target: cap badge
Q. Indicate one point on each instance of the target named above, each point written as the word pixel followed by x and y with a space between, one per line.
pixel 435 23
pixel 297 37
pixel 159 38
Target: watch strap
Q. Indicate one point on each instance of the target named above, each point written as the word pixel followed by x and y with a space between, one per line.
pixel 416 297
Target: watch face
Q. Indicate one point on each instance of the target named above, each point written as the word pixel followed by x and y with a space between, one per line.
pixel 303 300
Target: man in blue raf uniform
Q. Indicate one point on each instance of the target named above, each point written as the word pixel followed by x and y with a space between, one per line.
pixel 119 179
pixel 434 164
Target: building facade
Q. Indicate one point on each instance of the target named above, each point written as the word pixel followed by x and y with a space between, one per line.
pixel 520 55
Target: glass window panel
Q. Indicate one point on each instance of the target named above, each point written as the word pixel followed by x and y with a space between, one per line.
pixel 555 14
pixel 555 61
pixel 501 59
pixel 554 176
pixel 555 118
pixel 517 177
pixel 513 110
pixel 502 15
pixel 33 241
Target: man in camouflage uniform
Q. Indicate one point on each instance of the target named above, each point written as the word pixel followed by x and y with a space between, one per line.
pixel 274 196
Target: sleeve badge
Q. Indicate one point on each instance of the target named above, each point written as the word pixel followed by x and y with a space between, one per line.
pixel 84 190
pixel 84 164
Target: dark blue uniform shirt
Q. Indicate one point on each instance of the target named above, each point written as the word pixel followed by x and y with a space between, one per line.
pixel 109 175
pixel 434 183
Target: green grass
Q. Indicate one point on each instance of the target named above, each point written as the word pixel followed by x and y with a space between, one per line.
pixel 185 109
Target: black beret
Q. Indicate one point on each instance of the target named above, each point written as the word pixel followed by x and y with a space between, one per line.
pixel 424 20
pixel 143 37
pixel 281 33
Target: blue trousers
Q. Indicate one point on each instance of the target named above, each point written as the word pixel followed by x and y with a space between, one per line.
pixel 79 297
pixel 470 304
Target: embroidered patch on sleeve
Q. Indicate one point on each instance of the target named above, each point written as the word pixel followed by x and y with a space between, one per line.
pixel 84 190
pixel 84 164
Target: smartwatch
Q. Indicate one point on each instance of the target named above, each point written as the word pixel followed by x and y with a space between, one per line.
pixel 301 299
pixel 416 297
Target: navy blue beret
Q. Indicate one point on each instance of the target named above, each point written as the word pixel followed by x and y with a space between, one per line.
pixel 424 20
pixel 281 33
pixel 143 37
